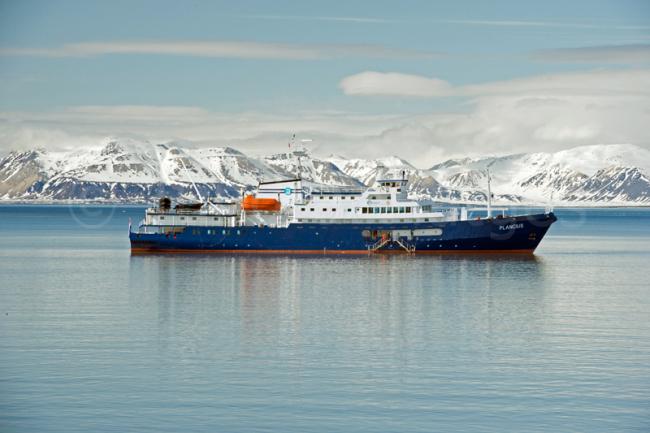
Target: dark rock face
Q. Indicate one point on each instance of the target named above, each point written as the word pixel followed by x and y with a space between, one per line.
pixel 613 183
pixel 71 189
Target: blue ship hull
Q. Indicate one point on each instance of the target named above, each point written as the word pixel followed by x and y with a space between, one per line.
pixel 519 234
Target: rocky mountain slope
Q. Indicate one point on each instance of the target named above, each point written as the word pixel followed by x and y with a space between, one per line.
pixel 128 170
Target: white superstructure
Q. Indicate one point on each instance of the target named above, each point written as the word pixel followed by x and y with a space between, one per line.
pixel 386 201
pixel 304 202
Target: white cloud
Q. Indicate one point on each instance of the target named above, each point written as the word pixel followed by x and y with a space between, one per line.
pixel 624 54
pixel 461 22
pixel 370 83
pixel 541 113
pixel 223 49
pixel 544 24
pixel 354 20
pixel 393 84
pixel 252 131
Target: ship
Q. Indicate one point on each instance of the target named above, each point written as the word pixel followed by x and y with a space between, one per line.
pixel 298 217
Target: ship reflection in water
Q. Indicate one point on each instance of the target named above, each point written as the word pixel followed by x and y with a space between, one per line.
pixel 266 301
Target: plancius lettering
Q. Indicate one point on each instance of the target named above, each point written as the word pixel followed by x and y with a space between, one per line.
pixel 512 226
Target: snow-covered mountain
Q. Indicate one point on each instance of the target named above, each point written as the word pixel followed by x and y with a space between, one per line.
pixel 610 174
pixel 300 163
pixel 128 170
pixel 366 171
pixel 585 175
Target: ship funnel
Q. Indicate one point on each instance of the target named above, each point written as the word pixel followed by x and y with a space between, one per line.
pixel 165 204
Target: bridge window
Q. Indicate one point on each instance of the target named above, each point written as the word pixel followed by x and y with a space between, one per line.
pixel 408 209
pixel 389 209
pixel 364 210
pixel 401 210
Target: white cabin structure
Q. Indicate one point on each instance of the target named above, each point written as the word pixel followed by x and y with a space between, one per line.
pixel 305 202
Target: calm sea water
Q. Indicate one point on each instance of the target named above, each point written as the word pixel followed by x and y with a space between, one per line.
pixel 94 340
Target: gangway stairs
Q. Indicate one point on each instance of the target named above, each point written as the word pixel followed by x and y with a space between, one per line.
pixel 384 241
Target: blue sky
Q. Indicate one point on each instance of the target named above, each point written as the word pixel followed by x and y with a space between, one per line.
pixel 281 60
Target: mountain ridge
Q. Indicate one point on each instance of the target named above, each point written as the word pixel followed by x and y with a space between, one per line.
pixel 126 170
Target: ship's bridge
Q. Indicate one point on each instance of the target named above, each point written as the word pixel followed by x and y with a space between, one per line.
pixel 397 188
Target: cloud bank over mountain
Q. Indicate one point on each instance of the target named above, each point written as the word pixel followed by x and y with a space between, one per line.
pixel 546 112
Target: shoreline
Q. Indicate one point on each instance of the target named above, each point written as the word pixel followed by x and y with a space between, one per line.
pixel 449 204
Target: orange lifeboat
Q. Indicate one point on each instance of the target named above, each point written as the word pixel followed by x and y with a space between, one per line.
pixel 251 203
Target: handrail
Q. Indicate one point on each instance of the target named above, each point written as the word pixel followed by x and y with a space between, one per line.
pixel 385 241
pixel 407 247
pixel 379 244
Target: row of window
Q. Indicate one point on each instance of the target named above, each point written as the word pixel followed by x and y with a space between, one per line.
pixel 193 218
pixel 331 197
pixel 311 209
pixel 374 197
pixel 215 232
pixel 394 209
pixel 375 210
pixel 360 221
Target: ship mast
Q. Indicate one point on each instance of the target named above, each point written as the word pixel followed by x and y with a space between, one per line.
pixel 489 195
pixel 191 180
pixel 301 152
